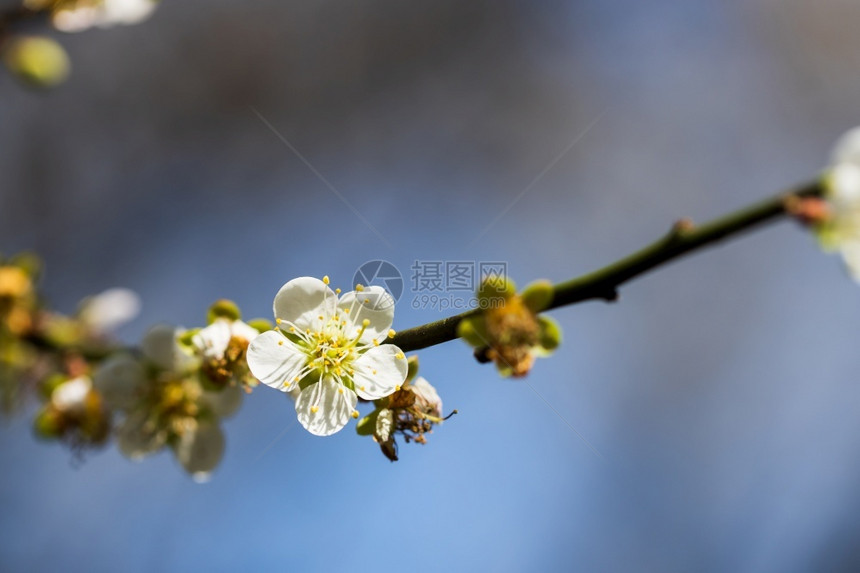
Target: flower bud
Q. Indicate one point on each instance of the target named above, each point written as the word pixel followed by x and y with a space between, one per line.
pixel 37 61
pixel 224 309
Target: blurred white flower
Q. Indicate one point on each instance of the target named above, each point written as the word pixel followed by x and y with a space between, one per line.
pixel 840 231
pixel 161 347
pixel 71 395
pixel 107 311
pixel 80 15
pixel 222 347
pixel 166 401
pixel 200 451
pixel 213 341
pixel 330 350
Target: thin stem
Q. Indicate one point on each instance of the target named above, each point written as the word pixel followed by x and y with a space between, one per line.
pixel 604 282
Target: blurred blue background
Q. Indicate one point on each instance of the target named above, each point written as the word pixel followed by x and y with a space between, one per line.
pixel 722 392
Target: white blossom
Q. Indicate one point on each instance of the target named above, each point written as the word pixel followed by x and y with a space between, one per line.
pixel 71 395
pixel 79 16
pixel 330 349
pixel 212 341
pixel 107 311
pixel 841 230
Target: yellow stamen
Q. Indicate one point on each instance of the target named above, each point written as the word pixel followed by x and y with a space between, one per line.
pixel 337 291
pixel 359 288
pixel 325 279
pixel 314 409
pixel 399 356
pixel 391 333
pixel 278 321
pixel 355 413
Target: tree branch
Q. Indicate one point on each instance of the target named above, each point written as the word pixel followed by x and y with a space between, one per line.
pixel 603 283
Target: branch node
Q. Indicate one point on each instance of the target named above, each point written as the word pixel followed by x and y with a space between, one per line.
pixel 610 295
pixel 806 210
pixel 682 227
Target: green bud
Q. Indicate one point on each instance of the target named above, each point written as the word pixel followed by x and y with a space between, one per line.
pixel 224 309
pixel 261 324
pixel 412 365
pixel 48 424
pixel 37 61
pixel 367 425
pixel 549 337
pixel 495 287
pixel 474 331
pixel 538 295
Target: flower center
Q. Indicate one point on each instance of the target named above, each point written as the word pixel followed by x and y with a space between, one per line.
pixel 332 349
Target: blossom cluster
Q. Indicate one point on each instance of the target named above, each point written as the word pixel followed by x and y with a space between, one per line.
pixel 326 350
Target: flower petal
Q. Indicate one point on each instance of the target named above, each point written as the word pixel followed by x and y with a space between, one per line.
pixel 139 435
pixel 107 311
pixel 379 371
pixel 225 402
pixel 303 300
pixel 847 149
pixel 850 251
pixel 844 187
pixel 373 304
pixel 275 360
pixel 160 346
pixel 199 451
pixel 325 407
pixel 71 394
pixel 121 379
pixel 427 393
pixel 239 329
pixel 384 425
pixel 212 341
